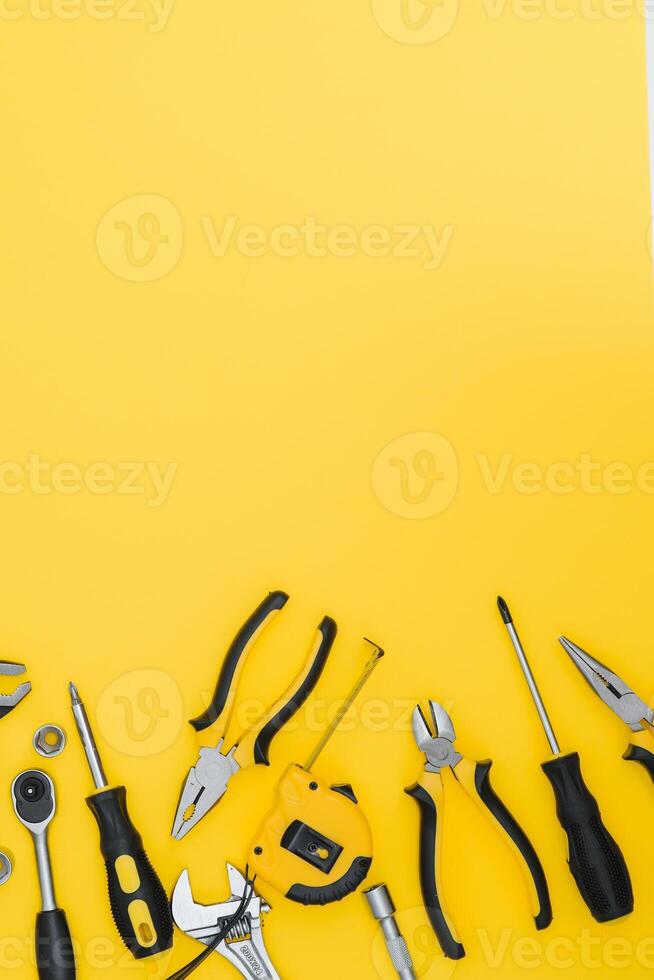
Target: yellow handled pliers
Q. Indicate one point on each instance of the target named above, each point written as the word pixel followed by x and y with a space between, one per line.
pixel 207 780
pixel 435 736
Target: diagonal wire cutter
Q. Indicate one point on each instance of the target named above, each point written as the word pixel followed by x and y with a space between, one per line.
pixel 9 701
pixel 209 778
pixel 435 736
pixel 621 699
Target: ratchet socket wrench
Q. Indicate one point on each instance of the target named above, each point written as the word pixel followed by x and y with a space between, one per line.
pixel 33 796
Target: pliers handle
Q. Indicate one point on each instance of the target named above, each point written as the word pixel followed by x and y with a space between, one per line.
pixel 640 750
pixel 253 746
pixel 429 793
pixel 208 779
pixel 230 673
pixel 435 736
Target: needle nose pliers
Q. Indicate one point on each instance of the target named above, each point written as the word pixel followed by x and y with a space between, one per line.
pixel 435 736
pixel 208 779
pixel 621 699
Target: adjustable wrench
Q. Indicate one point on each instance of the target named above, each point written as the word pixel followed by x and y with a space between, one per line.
pixel 243 947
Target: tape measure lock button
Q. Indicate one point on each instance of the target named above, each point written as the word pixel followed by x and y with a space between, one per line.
pixel 311 846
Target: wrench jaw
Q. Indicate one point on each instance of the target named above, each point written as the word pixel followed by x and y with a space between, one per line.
pixel 9 701
pixel 203 788
pixel 244 946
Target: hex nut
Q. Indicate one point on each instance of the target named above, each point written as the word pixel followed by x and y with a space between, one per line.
pixel 6 868
pixel 49 741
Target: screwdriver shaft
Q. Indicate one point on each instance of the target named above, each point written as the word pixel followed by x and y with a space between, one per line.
pixel 531 680
pixel 88 741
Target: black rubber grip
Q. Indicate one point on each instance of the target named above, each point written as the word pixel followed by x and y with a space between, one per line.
pixel 273 602
pixel 595 859
pixel 55 956
pixel 325 894
pixel 138 883
pixel 284 715
pixel 450 946
pixel 508 822
pixel 635 753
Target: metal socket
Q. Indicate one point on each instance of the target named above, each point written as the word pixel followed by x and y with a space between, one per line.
pixel 49 741
pixel 6 868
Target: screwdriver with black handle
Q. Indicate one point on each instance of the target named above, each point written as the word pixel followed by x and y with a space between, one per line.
pixel 138 900
pixel 595 859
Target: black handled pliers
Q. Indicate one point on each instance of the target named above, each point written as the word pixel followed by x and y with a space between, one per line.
pixel 621 699
pixel 435 736
pixel 208 779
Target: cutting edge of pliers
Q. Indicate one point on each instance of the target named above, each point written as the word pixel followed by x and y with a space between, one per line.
pixel 613 691
pixel 434 734
pixel 9 701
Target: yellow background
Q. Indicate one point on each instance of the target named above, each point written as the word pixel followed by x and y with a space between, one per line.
pixel 274 384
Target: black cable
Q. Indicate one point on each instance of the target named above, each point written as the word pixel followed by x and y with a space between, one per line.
pixel 186 971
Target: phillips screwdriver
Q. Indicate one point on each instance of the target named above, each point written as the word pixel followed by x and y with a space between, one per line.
pixel 138 900
pixel 594 857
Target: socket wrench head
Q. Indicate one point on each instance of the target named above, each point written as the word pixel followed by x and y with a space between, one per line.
pixel 33 796
pixel 380 902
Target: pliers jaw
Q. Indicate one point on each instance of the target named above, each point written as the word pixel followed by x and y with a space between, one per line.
pixel 613 691
pixel 435 736
pixel 203 788
pixel 9 701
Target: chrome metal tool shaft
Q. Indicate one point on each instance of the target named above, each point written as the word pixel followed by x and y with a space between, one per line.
pixel 88 741
pixel 381 906
pixel 507 619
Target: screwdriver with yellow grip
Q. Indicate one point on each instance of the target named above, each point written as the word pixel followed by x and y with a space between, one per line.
pixel 138 900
